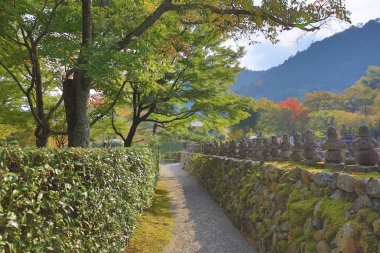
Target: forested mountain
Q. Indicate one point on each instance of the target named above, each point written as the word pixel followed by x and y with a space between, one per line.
pixel 332 64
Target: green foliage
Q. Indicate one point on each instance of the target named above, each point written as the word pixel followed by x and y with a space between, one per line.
pixel 372 79
pixel 73 200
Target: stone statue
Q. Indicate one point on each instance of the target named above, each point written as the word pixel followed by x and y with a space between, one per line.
pixel 285 147
pixel 364 146
pixel 259 147
pixel 274 148
pixel 310 147
pixel 297 149
pixel 221 148
pixel 266 150
pixel 242 148
pixel 334 147
pixel 348 159
pixel 232 149
pixel 343 132
pixel 216 148
pixel 250 149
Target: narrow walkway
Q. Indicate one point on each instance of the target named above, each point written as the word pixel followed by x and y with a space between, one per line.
pixel 199 223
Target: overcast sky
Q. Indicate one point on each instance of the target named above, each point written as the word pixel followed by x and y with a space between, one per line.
pixel 264 55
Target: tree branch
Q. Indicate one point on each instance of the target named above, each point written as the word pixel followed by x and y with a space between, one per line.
pixel 114 127
pixel 110 107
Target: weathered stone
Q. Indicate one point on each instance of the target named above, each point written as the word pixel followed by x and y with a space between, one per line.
pixel 297 149
pixel 333 180
pixel 360 186
pixel 266 150
pixel 376 227
pixel 373 187
pixel 307 176
pixel 317 223
pixel 310 147
pixel 346 182
pixel 376 204
pixel 283 236
pixel 295 174
pixel 308 224
pixel 322 179
pixel 285 147
pixel 362 202
pixel 323 247
pixel 338 194
pixel 348 159
pixel 298 184
pixel 286 226
pixel 317 209
pixel 274 148
pixel 364 146
pixel 333 147
pixel 318 236
pixel 345 239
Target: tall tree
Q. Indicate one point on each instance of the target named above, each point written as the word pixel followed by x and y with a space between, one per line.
pixel 229 17
pixel 115 28
pixel 190 84
pixel 30 56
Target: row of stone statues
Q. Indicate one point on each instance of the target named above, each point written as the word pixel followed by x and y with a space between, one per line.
pixel 334 150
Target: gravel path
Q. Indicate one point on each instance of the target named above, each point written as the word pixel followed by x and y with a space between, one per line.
pixel 199 223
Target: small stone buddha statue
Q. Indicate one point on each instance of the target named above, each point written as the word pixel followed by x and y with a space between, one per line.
pixel 259 147
pixel 333 146
pixel 242 148
pixel 285 147
pixel 250 149
pixel 297 149
pixel 232 149
pixel 274 148
pixel 266 149
pixel 364 146
pixel 310 147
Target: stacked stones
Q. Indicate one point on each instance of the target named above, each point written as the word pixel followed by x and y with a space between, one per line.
pixel 337 154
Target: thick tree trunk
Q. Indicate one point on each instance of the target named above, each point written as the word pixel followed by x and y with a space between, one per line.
pixel 131 134
pixel 76 92
pixel 42 135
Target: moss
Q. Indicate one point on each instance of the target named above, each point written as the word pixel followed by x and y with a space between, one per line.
pixel 335 213
pixel 367 216
pixel 296 196
pixel 291 165
pixel 299 211
pixel 155 225
pixel 311 246
pixel 282 246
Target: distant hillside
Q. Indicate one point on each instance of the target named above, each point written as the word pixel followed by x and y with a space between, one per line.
pixel 332 64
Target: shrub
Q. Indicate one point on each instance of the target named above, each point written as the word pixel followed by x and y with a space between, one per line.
pixel 171 157
pixel 73 200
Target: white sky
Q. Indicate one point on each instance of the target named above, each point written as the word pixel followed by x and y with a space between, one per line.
pixel 264 55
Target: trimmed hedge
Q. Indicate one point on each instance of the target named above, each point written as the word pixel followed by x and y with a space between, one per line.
pixel 73 200
pixel 171 157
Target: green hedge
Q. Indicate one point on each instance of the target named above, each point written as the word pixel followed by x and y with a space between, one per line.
pixel 171 157
pixel 73 200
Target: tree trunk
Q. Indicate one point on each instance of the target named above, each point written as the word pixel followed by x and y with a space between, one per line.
pixel 76 92
pixel 131 134
pixel 42 135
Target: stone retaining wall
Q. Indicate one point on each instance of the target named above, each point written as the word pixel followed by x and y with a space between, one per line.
pixel 293 210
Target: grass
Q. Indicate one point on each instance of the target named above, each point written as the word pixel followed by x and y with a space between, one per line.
pixel 292 165
pixel 154 230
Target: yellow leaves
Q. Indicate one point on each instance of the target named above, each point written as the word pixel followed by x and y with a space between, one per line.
pixel 175 46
